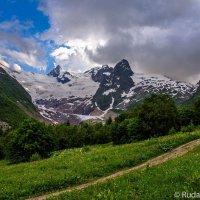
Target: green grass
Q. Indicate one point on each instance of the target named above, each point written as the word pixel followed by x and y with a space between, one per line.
pixel 152 183
pixel 10 112
pixel 15 102
pixel 14 91
pixel 75 166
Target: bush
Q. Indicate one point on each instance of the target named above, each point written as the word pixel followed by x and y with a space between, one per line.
pixel 172 131
pixel 188 128
pixel 1 148
pixel 32 137
pixel 85 149
pixel 35 157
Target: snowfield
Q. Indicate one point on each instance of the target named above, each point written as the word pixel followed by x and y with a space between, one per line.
pixel 41 86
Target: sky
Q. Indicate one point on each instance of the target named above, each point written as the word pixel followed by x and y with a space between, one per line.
pixel 159 36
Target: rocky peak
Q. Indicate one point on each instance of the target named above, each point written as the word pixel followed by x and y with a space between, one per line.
pixel 124 68
pixel 113 83
pixel 102 75
pixel 55 72
pixel 61 77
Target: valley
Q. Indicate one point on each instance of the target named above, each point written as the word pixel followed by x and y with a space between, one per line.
pixel 99 100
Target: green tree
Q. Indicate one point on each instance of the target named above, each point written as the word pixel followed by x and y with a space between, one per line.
pixel 120 132
pixel 109 121
pixel 186 116
pixel 32 137
pixel 133 129
pixel 197 111
pixel 157 115
pixel 102 135
pixel 126 131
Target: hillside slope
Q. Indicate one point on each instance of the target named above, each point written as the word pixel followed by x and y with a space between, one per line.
pixel 92 188
pixel 15 103
pixel 75 166
pixel 194 97
pixel 175 179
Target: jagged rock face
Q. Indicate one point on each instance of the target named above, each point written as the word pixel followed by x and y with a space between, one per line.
pixel 102 75
pixel 123 68
pixel 117 82
pixel 63 96
pixel 55 72
pixel 62 78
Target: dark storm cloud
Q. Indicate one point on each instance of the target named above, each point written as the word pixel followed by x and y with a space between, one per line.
pixel 113 15
pixel 111 53
pixel 160 36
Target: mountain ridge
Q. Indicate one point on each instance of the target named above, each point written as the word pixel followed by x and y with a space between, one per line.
pixel 61 96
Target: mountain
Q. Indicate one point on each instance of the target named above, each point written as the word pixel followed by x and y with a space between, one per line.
pixel 113 84
pixel 62 78
pixel 195 95
pixel 93 95
pixel 15 102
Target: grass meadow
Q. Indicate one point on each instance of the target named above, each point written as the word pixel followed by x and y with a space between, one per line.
pixel 79 165
pixel 176 179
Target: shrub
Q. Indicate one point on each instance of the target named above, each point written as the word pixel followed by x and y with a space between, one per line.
pixel 188 128
pixel 85 149
pixel 35 157
pixel 32 137
pixel 172 130
pixel 1 148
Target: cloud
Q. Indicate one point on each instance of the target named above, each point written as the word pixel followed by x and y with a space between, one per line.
pixel 71 59
pixel 85 17
pixel 157 36
pixel 17 68
pixel 17 47
pixel 15 26
pixel 3 63
pixel 28 59
pixel 62 53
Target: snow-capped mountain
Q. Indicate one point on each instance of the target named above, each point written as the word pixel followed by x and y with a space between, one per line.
pixel 62 96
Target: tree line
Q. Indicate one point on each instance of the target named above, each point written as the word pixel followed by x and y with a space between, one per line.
pixel 156 116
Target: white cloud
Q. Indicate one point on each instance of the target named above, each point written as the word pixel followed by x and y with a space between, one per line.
pixel 15 25
pixel 75 58
pixel 19 48
pixel 62 53
pixel 16 68
pixel 3 63
pixel 28 59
